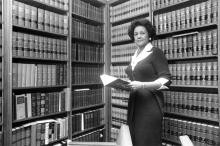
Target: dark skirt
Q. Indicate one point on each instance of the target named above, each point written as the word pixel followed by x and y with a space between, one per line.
pixel 144 118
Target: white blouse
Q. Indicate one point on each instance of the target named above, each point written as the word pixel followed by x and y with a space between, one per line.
pixel 142 55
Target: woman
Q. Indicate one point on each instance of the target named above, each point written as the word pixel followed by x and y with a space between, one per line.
pixel 149 73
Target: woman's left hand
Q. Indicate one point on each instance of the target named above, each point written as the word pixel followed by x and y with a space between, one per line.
pixel 136 85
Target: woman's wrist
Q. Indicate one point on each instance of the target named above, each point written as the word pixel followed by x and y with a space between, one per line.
pixel 151 85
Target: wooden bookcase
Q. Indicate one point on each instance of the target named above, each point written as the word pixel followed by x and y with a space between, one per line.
pixel 88 45
pixel 187 31
pixel 39 39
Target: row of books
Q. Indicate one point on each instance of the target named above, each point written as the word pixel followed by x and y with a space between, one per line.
pixel 122 53
pixel 87 97
pixel 193 16
pixel 87 120
pixel 199 133
pixel 120 97
pixel 119 71
pixel 167 144
pixel 37 75
pixel 35 46
pixel 119 113
pixel 119 93
pixel 202 74
pixel 40 132
pixel 118 122
pixel 120 32
pixel 1 108
pixel 1 71
pixel 0 38
pixel 38 104
pixel 97 135
pixel 158 4
pixel 32 17
pixel 83 30
pixel 129 9
pixel 86 74
pixel 114 134
pixel 198 44
pixel 119 101
pixel 1 138
pixel 201 105
pixel 87 10
pixel 61 4
pixel 87 52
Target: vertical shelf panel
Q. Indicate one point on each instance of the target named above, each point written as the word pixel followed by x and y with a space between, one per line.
pixel 107 60
pixel 7 71
pixel 69 66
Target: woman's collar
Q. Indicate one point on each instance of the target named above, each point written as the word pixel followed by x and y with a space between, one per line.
pixel 147 48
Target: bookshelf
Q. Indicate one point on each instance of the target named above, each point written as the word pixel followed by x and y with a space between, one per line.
pixel 88 46
pixel 187 32
pixel 34 63
pixel 53 56
pixel 122 12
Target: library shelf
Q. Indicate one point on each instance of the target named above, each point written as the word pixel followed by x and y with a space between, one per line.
pixel 193 58
pixel 190 118
pixel 116 126
pixel 28 59
pixel 194 86
pixel 44 5
pixel 120 63
pixel 86 85
pixel 116 2
pixel 43 117
pixel 90 107
pixel 57 141
pixel 38 32
pixel 175 142
pixel 97 3
pixel 206 119
pixel 119 106
pixel 116 122
pixel 129 19
pixel 176 6
pixel 74 39
pixel 79 133
pixel 41 88
pixel 87 62
pixel 87 20
pixel 122 42
pixel 186 30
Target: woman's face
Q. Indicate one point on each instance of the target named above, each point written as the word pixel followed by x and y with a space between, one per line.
pixel 141 37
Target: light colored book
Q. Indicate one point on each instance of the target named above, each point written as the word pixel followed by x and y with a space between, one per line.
pixel 114 82
pixel 185 140
pixel 20 106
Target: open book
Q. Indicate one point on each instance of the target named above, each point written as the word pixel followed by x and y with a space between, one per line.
pixel 114 82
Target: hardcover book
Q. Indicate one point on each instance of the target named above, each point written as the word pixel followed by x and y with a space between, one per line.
pixel 114 82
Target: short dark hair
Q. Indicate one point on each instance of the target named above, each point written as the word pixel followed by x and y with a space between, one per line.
pixel 142 22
